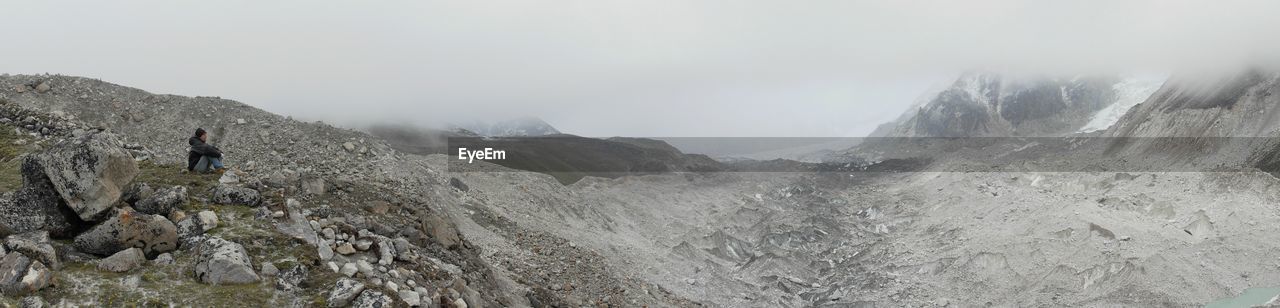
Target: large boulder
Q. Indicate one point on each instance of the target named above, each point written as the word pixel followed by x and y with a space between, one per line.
pixel 163 201
pixel 89 172
pixel 231 194
pixel 37 205
pixel 220 261
pixel 127 228
pixel 34 245
pixel 20 275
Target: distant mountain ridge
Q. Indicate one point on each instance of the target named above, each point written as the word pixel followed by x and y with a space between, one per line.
pixel 518 127
pixel 988 104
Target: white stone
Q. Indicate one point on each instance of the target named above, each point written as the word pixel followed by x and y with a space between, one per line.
pixel 208 220
pixel 349 269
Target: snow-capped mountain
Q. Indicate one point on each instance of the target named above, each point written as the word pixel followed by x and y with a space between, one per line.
pixel 986 104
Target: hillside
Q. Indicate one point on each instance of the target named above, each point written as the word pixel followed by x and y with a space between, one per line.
pixel 324 191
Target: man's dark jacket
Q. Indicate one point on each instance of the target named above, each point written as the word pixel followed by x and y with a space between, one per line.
pixel 199 149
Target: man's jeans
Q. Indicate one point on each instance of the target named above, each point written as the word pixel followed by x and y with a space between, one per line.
pixel 208 164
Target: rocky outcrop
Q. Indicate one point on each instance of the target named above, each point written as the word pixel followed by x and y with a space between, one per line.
pixel 126 228
pixel 220 261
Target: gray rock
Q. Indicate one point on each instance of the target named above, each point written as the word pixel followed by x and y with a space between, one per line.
pixel 123 261
pixel 189 230
pixel 220 261
pixel 20 275
pixel 137 192
pixel 292 279
pixel 229 194
pixel 31 302
pixel 208 220
pixel 442 231
pixel 345 249
pixel 163 259
pixel 349 269
pixel 312 184
pixel 344 291
pixel 89 173
pixel 324 251
pixel 371 299
pixel 269 269
pixel 296 225
pixel 44 87
pixel 386 252
pixel 163 201
pixel 127 228
pixel 457 183
pixel 410 298
pixel 35 245
pixel 403 249
pixel 37 205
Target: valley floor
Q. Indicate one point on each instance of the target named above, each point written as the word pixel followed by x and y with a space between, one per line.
pixel 915 239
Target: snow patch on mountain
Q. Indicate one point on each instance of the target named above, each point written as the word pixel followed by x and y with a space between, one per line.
pixel 1129 92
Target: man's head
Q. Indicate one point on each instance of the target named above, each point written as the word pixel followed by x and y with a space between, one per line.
pixel 200 133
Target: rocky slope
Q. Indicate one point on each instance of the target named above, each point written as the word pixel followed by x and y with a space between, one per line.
pixel 314 215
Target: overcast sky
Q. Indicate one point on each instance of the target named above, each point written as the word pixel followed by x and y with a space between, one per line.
pixel 614 68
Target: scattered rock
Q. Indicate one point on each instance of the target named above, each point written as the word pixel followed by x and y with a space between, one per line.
pixel 269 269
pixel 43 87
pixel 31 302
pixel 208 220
pixel 220 261
pixel 228 194
pixel 163 259
pixel 123 261
pixel 442 231
pixel 371 299
pixel 324 251
pixel 312 184
pixel 410 298
pixel 345 249
pixel 349 269
pixel 35 245
pixel 458 184
pixel 189 230
pixel 20 275
pixel 163 201
pixel 292 279
pixel 229 178
pixel 344 291
pixel 127 228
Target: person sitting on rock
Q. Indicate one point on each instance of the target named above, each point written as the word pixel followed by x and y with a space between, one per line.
pixel 202 156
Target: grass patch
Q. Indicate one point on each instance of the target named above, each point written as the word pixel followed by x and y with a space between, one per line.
pixel 169 175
